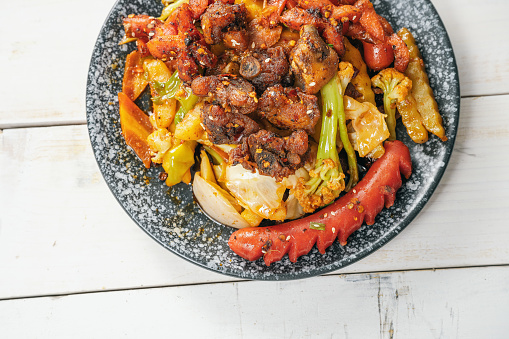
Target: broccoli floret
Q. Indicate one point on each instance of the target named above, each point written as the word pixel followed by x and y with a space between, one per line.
pixel 327 178
pixel 396 87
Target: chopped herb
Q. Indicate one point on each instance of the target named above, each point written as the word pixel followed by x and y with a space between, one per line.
pixel 317 226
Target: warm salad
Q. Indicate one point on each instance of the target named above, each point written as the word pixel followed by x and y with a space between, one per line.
pixel 276 104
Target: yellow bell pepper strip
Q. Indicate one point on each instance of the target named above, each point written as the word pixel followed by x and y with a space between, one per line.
pixel 177 161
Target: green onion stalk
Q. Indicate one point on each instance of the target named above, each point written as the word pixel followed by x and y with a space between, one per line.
pixel 345 72
pixel 327 178
pixel 328 173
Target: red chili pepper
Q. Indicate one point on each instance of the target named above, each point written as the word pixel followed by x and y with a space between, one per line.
pixel 340 219
pixel 378 56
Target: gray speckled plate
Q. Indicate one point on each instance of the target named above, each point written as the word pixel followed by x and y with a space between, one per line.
pixel 169 215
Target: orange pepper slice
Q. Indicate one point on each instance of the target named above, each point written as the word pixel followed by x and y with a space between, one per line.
pixel 136 127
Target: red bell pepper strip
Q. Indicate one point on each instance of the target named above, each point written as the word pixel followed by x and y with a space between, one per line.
pixel 338 220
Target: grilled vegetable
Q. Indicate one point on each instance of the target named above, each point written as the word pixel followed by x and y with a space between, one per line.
pixel 136 127
pixel 421 90
pixel 173 89
pixel 412 120
pixel 327 178
pixel 362 81
pixel 369 126
pixel 396 87
pixel 134 80
pixel 378 56
pixel 339 220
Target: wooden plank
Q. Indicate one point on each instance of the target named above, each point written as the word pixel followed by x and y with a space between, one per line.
pixel 62 231
pixel 46 60
pixel 454 303
pixel 483 69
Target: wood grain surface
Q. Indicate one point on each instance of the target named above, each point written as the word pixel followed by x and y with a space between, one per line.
pixel 73 264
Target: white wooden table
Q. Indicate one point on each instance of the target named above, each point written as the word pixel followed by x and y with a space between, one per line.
pixel 73 264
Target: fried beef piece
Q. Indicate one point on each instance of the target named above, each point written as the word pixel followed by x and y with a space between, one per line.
pixel 265 68
pixel 226 22
pixel 241 156
pixel 227 63
pixel 278 157
pixel 175 39
pixel 233 93
pixel 289 108
pixel 141 26
pixel 261 36
pixel 226 127
pixel 331 30
pixel 312 61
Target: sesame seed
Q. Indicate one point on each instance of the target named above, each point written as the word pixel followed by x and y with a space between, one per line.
pixel 354 190
pixel 267 60
pixel 333 213
pixel 253 45
pixel 312 84
pixel 309 111
pixel 325 215
pixel 211 117
pixel 235 43
pixel 333 230
pixel 287 238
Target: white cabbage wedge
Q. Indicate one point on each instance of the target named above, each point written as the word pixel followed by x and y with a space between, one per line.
pixel 213 201
pixel 260 193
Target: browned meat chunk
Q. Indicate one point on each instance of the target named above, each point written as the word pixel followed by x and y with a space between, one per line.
pixel 176 38
pixel 226 22
pixel 141 26
pixel 233 93
pixel 226 127
pixel 312 61
pixel 297 142
pixel 241 156
pixel 297 17
pixel 262 37
pixel 289 108
pixel 265 68
pixel 227 63
pixel 275 156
